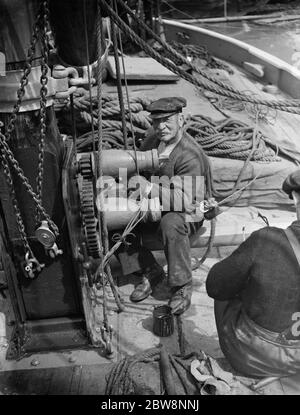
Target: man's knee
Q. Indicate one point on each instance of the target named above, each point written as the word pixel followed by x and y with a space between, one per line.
pixel 172 225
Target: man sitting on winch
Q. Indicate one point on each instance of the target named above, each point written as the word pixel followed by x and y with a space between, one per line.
pixel 182 180
pixel 257 298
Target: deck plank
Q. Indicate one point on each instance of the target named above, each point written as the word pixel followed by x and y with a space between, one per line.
pixel 93 379
pixel 61 381
pixel 75 380
pixel 141 69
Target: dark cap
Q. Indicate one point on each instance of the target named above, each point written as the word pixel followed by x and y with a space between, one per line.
pixel 165 107
pixel 292 183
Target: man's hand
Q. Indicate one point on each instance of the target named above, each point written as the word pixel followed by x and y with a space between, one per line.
pixel 138 187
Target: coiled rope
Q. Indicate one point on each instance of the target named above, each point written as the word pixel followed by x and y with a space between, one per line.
pixel 291 106
pixel 120 381
pixel 137 122
pixel 230 139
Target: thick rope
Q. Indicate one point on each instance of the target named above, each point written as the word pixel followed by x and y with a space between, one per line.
pixel 128 103
pixel 167 47
pixel 231 139
pixel 138 119
pixel 182 59
pixel 88 70
pixel 119 82
pixel 101 214
pixel 291 106
pixel 111 111
pixel 119 381
pixel 193 52
pixel 109 124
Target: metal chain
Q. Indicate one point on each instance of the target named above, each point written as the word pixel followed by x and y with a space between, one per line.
pixel 6 153
pixel 9 155
pixel 43 103
pixel 24 80
pixel 19 220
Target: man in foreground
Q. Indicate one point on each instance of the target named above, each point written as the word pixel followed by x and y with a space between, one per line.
pixel 179 185
pixel 257 298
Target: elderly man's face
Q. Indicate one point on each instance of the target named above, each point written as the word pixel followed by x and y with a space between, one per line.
pixel 167 128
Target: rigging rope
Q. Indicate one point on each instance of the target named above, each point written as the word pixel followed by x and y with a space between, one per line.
pixel 195 52
pixel 128 102
pixel 134 221
pixel 88 71
pixel 291 106
pixel 101 214
pixel 189 16
pixel 119 84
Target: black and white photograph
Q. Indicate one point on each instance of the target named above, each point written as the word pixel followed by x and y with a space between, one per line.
pixel 149 202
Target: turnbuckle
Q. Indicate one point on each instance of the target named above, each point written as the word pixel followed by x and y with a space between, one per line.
pixel 32 265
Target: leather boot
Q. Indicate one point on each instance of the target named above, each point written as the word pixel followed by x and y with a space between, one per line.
pixel 141 291
pixel 181 298
pixel 150 278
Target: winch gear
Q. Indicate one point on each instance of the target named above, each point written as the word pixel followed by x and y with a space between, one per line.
pixel 86 166
pixel 88 213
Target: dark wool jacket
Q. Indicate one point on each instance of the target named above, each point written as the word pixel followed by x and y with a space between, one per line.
pixel 186 160
pixel 265 273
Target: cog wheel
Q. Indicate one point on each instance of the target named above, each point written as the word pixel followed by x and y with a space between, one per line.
pixel 86 166
pixel 88 214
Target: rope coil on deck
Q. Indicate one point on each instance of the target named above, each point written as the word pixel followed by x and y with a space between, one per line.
pixel 137 121
pixel 231 139
pixel 120 381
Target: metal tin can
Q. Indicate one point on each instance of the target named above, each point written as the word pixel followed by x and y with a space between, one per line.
pixel 163 321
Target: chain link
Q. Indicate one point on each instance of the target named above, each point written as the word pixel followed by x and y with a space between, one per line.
pixel 9 155
pixel 19 220
pixel 24 80
pixel 41 25
pixel 43 103
pixel 10 128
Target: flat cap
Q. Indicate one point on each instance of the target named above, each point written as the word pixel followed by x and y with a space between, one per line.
pixel 164 107
pixel 292 183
